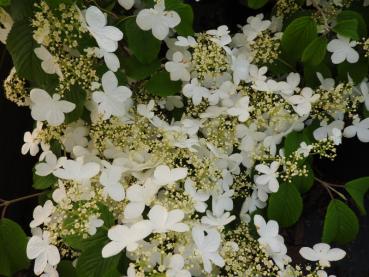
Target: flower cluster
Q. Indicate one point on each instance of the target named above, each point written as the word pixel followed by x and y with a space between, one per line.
pixel 176 184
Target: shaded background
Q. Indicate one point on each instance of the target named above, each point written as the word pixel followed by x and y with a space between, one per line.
pixel 351 163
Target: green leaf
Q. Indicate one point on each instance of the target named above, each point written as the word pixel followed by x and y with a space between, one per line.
pixel 43 182
pixel 349 15
pixel 298 34
pixel 77 96
pixel 357 71
pixel 347 28
pixel 21 9
pixel 13 243
pixel 21 44
pixel 256 4
pixel 304 183
pixel 285 206
pixel 292 142
pixel 315 52
pixel 185 12
pixel 138 71
pixel 357 189
pixel 66 269
pixel 5 2
pixel 341 224
pixel 106 216
pixel 92 264
pixel 142 43
pixel 161 85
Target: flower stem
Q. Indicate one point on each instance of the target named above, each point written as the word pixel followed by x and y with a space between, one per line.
pixel 6 203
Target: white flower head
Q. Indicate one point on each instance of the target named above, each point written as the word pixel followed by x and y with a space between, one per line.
pixel 360 128
pixel 114 99
pixel 49 63
pixel 110 179
pixel 107 37
pixel 122 236
pixel 208 245
pixel 127 4
pixel 241 109
pixel 302 103
pixel 195 91
pixel 268 178
pixel 178 68
pixel 47 108
pixel 175 267
pixel 164 221
pixel 220 35
pixel 163 175
pixel 158 20
pixel 342 49
pixel 93 223
pixel 255 26
pixel 43 252
pixel 198 197
pixel 76 170
pixel 41 214
pixel 323 253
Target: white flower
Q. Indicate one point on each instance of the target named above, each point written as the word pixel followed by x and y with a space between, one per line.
pixel 41 214
pixel 49 63
pixel 342 50
pixel 163 221
pixel 222 203
pixel 336 136
pixel 127 4
pixel 304 149
pixel 110 179
pixel 139 197
pixel 111 60
pixel 51 109
pixel 240 67
pixel 220 35
pixel 172 102
pixel 269 176
pixel 146 110
pixel 325 83
pixel 163 175
pixel 31 142
pixel 6 24
pixel 123 236
pixel 302 103
pixel 107 37
pixel 217 221
pixel 195 91
pixel 50 271
pixel 113 100
pixel 290 86
pixel 158 20
pixel 75 135
pixel 38 248
pixel 225 90
pixel 208 246
pixel 358 128
pixel 93 223
pixel 322 273
pixel 77 171
pixel 271 240
pixel 59 194
pixel 364 90
pixel 178 68
pixel 241 109
pixel 51 164
pixel 255 26
pixel 323 253
pixel 186 42
pixel 175 267
pixel 198 197
pixel 325 129
pixel 251 204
